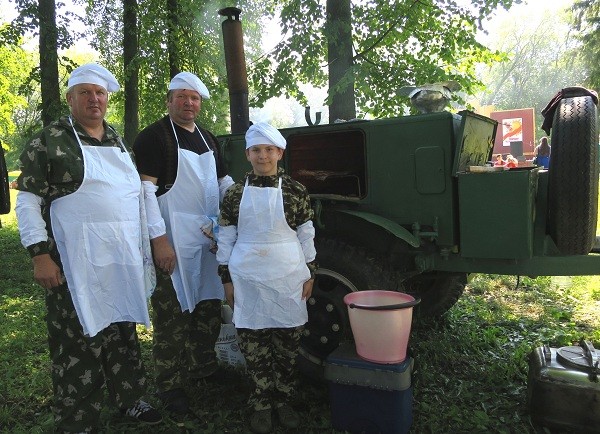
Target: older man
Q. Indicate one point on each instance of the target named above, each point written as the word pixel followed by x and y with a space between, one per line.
pixel 184 178
pixel 80 214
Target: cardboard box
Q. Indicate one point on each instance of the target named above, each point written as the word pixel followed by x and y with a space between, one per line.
pixel 368 397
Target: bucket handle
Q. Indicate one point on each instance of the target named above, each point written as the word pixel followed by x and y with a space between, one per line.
pixel 388 307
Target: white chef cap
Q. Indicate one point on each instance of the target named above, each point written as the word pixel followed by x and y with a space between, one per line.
pixel 187 80
pixel 92 73
pixel 262 133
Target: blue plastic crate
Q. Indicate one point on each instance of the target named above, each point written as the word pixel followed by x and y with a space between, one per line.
pixel 367 397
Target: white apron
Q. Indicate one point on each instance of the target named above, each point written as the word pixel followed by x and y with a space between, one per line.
pixel 267 265
pixel 97 233
pixel 186 207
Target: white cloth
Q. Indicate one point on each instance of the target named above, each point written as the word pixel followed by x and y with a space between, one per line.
pixel 225 240
pixel 92 73
pixel 145 247
pixel 32 227
pixel 187 80
pixel 156 223
pixel 97 233
pixel 186 207
pixel 267 264
pixel 306 236
pixel 224 184
pixel 261 133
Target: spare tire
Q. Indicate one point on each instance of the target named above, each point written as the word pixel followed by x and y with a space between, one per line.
pixel 573 176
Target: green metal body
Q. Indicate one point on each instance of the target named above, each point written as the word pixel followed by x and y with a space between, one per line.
pixel 402 187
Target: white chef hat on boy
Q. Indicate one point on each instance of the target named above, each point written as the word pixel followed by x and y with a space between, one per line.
pixel 262 133
pixel 187 80
pixel 92 73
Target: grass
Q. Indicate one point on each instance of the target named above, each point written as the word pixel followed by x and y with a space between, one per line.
pixel 470 367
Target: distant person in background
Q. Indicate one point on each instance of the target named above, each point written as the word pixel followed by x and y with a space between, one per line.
pixel 511 161
pixel 499 161
pixel 542 153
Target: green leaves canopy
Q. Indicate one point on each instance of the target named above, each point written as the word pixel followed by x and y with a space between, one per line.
pixel 396 43
pixel 199 50
pixel 587 20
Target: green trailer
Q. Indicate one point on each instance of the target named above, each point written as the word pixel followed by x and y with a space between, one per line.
pixel 410 204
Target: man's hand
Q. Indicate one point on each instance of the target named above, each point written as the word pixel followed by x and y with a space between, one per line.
pixel 164 255
pixel 45 271
pixel 229 293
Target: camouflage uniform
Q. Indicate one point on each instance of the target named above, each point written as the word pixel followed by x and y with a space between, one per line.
pixel 296 206
pixel 270 353
pixel 271 362
pixel 52 167
pixel 183 339
pixel 183 342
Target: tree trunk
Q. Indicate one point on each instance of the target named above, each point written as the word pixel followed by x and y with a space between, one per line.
pixel 51 107
pixel 172 32
pixel 131 69
pixel 339 56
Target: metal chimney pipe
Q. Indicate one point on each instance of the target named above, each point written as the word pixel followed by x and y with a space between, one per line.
pixel 235 62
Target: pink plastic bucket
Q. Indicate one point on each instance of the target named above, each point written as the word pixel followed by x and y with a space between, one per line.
pixel 380 322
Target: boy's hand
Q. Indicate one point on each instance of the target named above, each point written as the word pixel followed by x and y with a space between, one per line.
pixel 307 289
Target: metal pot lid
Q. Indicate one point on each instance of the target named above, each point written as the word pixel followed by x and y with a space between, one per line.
pixel 584 357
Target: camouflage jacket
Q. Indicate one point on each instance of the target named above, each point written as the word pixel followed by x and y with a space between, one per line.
pixel 296 206
pixel 52 166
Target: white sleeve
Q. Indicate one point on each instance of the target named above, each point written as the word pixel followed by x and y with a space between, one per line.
pixel 306 236
pixel 224 183
pixel 227 235
pixel 32 226
pixel 156 223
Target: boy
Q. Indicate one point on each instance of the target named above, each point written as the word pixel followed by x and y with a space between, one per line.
pixel 266 258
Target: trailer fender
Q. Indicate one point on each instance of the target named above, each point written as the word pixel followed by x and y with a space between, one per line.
pixel 390 226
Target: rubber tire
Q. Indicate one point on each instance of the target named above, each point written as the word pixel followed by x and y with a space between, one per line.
pixel 4 191
pixel 344 268
pixel 438 291
pixel 573 176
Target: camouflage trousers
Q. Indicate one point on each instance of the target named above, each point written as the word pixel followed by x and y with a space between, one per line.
pixel 83 365
pixel 271 362
pixel 183 342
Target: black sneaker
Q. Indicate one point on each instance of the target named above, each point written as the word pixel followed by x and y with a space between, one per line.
pixel 144 412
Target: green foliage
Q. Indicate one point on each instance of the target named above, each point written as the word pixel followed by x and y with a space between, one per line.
pixel 470 367
pixel 587 21
pixel 25 385
pixel 198 45
pixel 14 63
pixel 395 43
pixel 17 102
pixel 539 59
